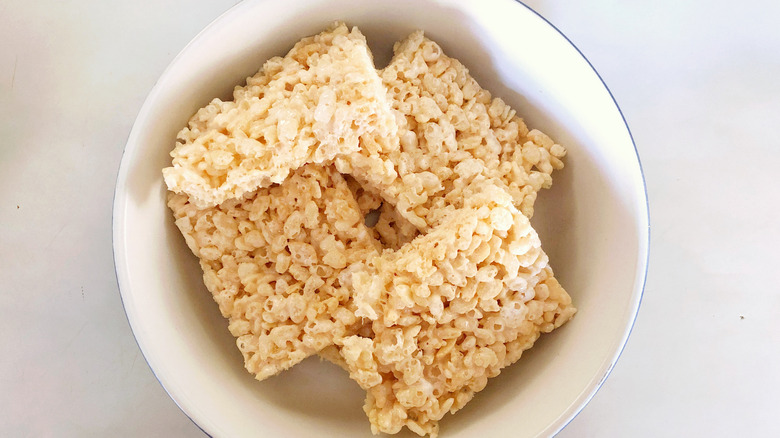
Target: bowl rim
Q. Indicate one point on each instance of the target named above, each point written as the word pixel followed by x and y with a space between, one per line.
pixel 575 408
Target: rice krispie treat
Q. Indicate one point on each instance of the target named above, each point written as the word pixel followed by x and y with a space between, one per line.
pixel 307 107
pixel 450 310
pixel 275 261
pixel 449 129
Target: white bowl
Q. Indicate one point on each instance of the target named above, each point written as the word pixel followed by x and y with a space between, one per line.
pixel 593 222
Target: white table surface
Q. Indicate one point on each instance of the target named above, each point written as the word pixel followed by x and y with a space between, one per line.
pixel 698 81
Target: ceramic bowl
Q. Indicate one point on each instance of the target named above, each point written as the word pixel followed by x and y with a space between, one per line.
pixel 593 222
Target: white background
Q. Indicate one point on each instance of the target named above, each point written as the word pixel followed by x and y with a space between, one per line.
pixel 698 81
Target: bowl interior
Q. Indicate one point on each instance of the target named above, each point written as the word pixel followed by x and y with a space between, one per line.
pixel 593 222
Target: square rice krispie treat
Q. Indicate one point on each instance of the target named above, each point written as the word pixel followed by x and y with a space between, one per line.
pixel 449 311
pixel 275 262
pixel 392 229
pixel 307 107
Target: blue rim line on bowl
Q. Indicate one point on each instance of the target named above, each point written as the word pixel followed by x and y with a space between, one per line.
pixel 584 398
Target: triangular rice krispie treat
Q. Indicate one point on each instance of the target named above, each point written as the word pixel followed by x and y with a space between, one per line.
pixel 449 311
pixel 307 107
pixel 275 262
pixel 449 129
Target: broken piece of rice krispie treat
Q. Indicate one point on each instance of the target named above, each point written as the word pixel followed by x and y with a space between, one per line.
pixel 307 107
pixel 449 311
pixel 274 262
pixel 449 128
